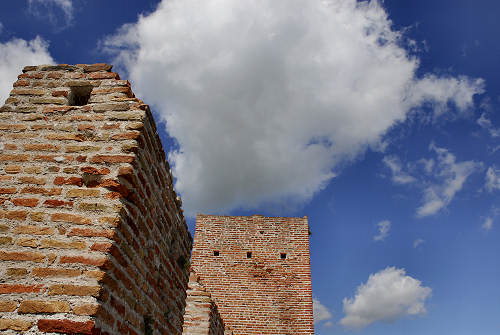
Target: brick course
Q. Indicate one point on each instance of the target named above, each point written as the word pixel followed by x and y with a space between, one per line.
pixel 92 235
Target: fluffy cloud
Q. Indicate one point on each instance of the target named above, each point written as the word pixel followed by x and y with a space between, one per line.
pixel 492 179
pixel 488 224
pixel 320 312
pixel 388 295
pixel 14 55
pixel 451 176
pixel 383 230
pixel 47 9
pixel 266 98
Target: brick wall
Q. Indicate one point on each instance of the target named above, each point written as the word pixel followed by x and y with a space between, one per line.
pixel 257 270
pixel 202 316
pixel 92 236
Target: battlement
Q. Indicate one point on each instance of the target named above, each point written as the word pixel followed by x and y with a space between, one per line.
pixel 257 270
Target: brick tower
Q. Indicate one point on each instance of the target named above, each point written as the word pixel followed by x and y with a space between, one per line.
pixel 92 235
pixel 257 270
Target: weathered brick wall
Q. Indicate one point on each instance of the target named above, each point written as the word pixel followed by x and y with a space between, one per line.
pixel 92 237
pixel 202 316
pixel 257 269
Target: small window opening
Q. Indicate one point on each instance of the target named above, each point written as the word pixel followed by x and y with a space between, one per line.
pixel 79 95
pixel 216 253
pixel 249 254
pixel 283 255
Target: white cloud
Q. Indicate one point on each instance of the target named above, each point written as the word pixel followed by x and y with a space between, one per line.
pixel 451 176
pixel 492 179
pixel 320 312
pixel 418 242
pixel 1 27
pixel 440 178
pixel 388 295
pixel 266 98
pixel 488 224
pixel 14 55
pixel 383 230
pixel 45 9
pixel 486 123
pixel 399 176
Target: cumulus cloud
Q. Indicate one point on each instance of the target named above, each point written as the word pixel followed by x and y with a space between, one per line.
pixel 492 179
pixel 320 312
pixel 266 98
pixel 383 230
pixel 48 9
pixel 418 242
pixel 399 176
pixel 451 176
pixel 14 55
pixel 388 295
pixel 487 224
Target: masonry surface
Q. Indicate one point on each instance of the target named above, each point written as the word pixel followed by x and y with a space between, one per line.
pixel 92 236
pixel 257 270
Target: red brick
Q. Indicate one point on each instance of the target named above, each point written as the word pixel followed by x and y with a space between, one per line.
pixel 112 159
pixel 66 137
pixel 13 127
pixel 55 272
pixel 32 180
pixel 22 256
pixel 53 203
pixel 20 288
pixel 94 261
pixel 132 135
pixel 104 246
pixel 60 93
pixel 16 215
pixel 72 218
pixel 97 67
pixel 89 232
pixel 41 147
pixel 14 158
pixel 41 306
pixel 68 181
pixel 15 324
pixel 65 326
pixel 96 171
pixel 76 290
pixel 26 202
pixel 41 190
pixel 103 75
pixel 34 230
pixel 13 169
pixel 8 190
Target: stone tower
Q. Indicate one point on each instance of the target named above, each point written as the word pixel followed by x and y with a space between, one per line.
pixel 92 235
pixel 257 270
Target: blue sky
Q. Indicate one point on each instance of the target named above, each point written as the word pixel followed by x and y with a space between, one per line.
pixel 377 120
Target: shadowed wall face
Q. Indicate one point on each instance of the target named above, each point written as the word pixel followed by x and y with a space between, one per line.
pixel 92 235
pixel 257 270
